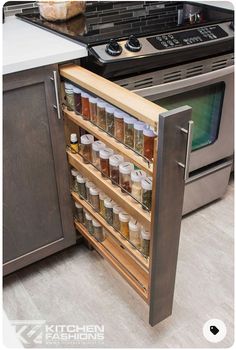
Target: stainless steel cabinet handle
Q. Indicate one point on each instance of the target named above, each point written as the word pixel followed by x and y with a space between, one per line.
pixel 189 132
pixel 57 106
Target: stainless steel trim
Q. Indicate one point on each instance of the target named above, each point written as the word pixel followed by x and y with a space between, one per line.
pixel 188 149
pixel 57 106
pixel 209 171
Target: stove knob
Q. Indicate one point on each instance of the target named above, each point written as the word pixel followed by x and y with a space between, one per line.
pixel 113 48
pixel 133 44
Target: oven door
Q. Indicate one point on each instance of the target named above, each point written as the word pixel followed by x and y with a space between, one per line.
pixel 211 96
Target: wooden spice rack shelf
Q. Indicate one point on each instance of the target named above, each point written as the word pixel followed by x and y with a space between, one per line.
pixel 127 153
pixel 134 253
pixel 125 201
pixel 115 255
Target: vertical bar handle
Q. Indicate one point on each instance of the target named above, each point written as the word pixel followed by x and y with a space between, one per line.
pixel 57 106
pixel 189 132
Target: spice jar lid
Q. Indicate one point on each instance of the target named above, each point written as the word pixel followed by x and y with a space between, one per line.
pixel 96 223
pixel 80 179
pixel 88 216
pixel 147 131
pixel 147 183
pixel 118 114
pixel 76 90
pixel 117 209
pixel 115 160
pixel 108 203
pixel 105 153
pixel 124 217
pixel 87 139
pixel 128 119
pixel 126 168
pixel 137 175
pixel 134 225
pixel 145 234
pixel 93 191
pixel 85 95
pixel 73 138
pixel 90 184
pixel 102 195
pixel 101 104
pixel 97 145
pixel 93 99
pixel 68 86
pixel 110 109
pixel 74 172
pixel 139 125
pixel 79 206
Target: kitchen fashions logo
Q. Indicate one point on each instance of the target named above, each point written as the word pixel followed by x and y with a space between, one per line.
pixel 38 333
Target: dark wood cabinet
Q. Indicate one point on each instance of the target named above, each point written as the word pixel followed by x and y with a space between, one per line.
pixel 37 208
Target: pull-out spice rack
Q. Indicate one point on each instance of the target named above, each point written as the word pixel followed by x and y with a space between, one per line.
pixel 153 278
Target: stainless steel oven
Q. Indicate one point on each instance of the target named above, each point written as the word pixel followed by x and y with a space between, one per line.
pixel 208 87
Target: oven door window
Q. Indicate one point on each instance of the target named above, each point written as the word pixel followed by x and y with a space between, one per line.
pixel 206 103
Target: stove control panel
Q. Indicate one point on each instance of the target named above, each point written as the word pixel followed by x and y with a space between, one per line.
pixel 188 37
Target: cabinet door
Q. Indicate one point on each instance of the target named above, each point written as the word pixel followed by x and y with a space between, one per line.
pixel 37 211
pixel 153 278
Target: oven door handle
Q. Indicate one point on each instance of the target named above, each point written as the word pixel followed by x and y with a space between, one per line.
pixel 185 83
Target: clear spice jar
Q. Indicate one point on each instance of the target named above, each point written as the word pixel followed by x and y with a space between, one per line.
pixel 74 183
pixel 119 125
pixel 89 223
pixel 96 147
pixel 85 105
pixel 81 187
pixel 102 197
pixel 145 242
pixel 136 188
pixel 148 142
pixel 108 204
pixel 77 100
pixel 124 224
pixel 79 213
pixel 70 103
pixel 138 136
pixel 98 231
pixel 104 155
pixel 110 119
pixel 101 115
pixel 116 220
pixel 74 146
pixel 147 193
pixel 94 198
pixel 129 130
pixel 134 233
pixel 86 147
pixel 125 169
pixel 114 162
pixel 93 109
pixel 88 185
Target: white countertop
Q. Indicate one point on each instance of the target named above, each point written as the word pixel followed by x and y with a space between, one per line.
pixel 26 46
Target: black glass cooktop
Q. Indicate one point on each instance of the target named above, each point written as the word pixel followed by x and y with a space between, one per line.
pixel 119 19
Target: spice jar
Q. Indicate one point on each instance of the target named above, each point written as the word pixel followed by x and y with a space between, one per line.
pixel 98 231
pixel 74 146
pixel 104 155
pixel 124 176
pixel 148 142
pixel 88 223
pixel 116 220
pixel 85 105
pixel 86 147
pixel 101 115
pixel 134 233
pixel 96 147
pixel 136 188
pixel 88 185
pixel 119 125
pixel 102 197
pixel 77 100
pixel 124 224
pixel 110 119
pixel 79 214
pixel 138 136
pixel 81 186
pixel 69 96
pixel 74 185
pixel 147 193
pixel 114 162
pixel 145 241
pixel 93 109
pixel 94 198
pixel 129 130
pixel 108 204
